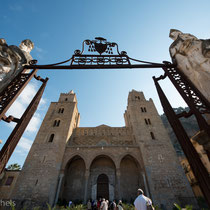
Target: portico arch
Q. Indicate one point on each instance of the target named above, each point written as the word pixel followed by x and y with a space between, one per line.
pixel 74 180
pixel 130 172
pixel 100 154
pixel 68 158
pixel 135 158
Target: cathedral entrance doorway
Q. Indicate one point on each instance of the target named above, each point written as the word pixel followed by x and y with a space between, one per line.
pixel 102 181
pixel 103 186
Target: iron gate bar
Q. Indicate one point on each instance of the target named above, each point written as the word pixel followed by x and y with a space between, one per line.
pixel 193 158
pixel 197 103
pixel 16 134
pixel 125 66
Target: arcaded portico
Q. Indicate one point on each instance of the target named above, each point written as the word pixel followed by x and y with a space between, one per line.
pixel 107 175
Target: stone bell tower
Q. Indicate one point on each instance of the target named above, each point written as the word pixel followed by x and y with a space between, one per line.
pixel 164 174
pixel 39 178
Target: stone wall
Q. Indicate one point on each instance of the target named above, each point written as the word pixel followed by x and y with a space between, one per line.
pixel 6 185
pixel 102 135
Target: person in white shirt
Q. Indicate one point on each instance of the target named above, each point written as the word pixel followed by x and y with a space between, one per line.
pixel 142 201
pixel 119 206
pixel 104 205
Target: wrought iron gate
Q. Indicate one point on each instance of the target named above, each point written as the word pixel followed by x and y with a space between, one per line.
pixel 109 57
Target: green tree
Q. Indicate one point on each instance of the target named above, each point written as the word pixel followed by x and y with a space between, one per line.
pixel 14 166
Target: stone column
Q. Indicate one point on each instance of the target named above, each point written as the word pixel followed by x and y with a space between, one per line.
pixel 145 184
pixel 87 174
pixel 58 188
pixel 118 183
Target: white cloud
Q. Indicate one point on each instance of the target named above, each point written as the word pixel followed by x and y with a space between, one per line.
pixel 20 105
pixel 39 52
pixel 24 145
pixel 34 123
pixel 16 109
pixel 38 49
pixel 43 101
pixel 20 152
pixel 28 93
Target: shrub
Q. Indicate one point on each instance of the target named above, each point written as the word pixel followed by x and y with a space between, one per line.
pixel 128 206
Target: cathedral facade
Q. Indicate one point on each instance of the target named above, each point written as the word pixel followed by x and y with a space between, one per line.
pixel 67 162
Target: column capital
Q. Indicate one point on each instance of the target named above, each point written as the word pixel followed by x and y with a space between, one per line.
pixel 62 172
pixel 87 172
pixel 118 172
pixel 61 175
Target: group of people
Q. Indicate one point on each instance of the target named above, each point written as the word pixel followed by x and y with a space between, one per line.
pixel 103 204
pixel 141 203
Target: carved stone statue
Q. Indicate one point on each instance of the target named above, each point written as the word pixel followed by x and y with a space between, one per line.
pixel 192 56
pixel 12 60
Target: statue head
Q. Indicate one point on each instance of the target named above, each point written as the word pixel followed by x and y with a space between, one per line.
pixel 174 33
pixel 26 45
pixel 2 41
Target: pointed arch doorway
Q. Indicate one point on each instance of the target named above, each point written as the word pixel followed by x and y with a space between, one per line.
pixel 103 186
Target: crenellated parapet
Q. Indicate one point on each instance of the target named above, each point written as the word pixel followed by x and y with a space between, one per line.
pixel 102 136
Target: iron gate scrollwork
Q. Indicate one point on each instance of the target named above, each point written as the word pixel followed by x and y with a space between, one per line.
pixel 191 154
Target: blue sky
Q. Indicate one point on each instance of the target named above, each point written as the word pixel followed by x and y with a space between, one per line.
pixel 57 28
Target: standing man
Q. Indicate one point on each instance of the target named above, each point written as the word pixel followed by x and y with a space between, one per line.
pixel 104 205
pixel 142 201
pixel 89 207
pixel 113 205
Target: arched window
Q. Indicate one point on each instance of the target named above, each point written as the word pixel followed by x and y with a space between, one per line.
pixel 146 121
pixel 66 99
pixel 142 110
pixel 56 123
pixel 152 135
pixel 149 121
pixel 145 110
pixel 51 138
pixel 61 110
